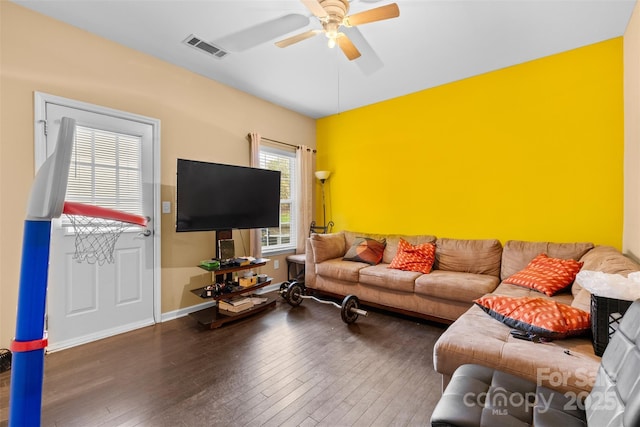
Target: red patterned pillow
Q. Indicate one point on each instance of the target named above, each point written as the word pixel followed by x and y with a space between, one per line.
pixel 540 316
pixel 414 258
pixel 546 275
pixel 366 250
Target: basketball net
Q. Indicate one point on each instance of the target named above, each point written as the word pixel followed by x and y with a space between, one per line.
pixel 96 236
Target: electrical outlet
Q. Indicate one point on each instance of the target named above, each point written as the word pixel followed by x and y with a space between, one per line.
pixel 166 207
pixel 276 264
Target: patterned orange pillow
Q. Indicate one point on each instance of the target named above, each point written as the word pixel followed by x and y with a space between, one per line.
pixel 540 316
pixel 414 258
pixel 546 275
pixel 366 250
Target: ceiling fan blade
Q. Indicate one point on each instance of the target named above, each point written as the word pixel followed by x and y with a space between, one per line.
pixel 369 62
pixel 315 8
pixel 349 49
pixel 297 38
pixel 261 33
pixel 373 15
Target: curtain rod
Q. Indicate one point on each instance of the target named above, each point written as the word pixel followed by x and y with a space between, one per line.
pixel 276 141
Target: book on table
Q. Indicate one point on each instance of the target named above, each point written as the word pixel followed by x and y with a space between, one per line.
pixel 235 305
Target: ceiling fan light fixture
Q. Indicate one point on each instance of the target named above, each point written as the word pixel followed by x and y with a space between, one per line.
pixel 333 14
pixel 332 35
pixel 331 27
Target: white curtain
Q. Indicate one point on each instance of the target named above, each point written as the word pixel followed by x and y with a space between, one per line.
pixel 255 244
pixel 304 157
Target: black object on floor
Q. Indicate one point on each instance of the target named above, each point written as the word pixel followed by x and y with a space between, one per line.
pixel 5 359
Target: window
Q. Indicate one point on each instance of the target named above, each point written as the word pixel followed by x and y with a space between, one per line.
pixel 282 237
pixel 105 170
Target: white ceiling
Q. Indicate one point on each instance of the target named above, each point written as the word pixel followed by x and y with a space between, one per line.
pixel 432 42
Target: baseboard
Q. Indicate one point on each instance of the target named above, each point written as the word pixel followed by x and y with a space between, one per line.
pixel 63 345
pixel 181 312
pixel 270 288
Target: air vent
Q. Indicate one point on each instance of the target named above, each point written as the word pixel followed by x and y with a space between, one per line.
pixel 198 43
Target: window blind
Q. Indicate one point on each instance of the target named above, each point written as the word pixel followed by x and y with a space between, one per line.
pixel 282 237
pixel 105 170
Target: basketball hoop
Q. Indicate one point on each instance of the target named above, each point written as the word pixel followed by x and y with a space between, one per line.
pixel 95 242
pixel 97 230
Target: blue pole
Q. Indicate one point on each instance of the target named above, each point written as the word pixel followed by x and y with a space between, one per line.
pixel 25 401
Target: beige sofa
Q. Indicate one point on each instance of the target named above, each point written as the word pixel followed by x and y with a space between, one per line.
pixel 465 270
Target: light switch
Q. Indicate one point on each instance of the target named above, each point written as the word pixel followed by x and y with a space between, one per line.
pixel 166 207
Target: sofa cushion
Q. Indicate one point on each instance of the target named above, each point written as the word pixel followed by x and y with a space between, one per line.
pixel 469 256
pixel 541 316
pixel 327 246
pixel 365 249
pixel 384 277
pixel 341 270
pixel 456 286
pixel 517 254
pixel 582 300
pixel 478 338
pixel 546 275
pixel 414 258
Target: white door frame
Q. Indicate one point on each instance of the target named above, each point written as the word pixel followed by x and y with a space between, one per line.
pixel 40 155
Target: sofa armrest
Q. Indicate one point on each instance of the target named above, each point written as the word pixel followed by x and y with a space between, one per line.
pixel 309 266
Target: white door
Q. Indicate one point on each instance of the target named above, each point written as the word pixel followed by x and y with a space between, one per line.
pixel 85 301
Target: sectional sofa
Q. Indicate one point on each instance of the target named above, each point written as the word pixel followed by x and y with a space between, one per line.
pixel 463 271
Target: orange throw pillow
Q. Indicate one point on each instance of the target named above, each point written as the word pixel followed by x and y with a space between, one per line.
pixel 366 250
pixel 546 275
pixel 540 316
pixel 414 258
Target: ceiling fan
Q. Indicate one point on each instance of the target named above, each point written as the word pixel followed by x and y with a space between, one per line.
pixel 333 14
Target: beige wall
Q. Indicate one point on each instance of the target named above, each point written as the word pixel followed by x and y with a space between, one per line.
pixel 201 119
pixel 631 237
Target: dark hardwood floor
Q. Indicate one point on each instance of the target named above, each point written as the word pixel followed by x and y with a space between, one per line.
pixel 287 366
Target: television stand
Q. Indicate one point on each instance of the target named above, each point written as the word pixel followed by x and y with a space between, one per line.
pixel 214 317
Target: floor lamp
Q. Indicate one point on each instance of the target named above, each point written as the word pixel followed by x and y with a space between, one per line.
pixel 326 227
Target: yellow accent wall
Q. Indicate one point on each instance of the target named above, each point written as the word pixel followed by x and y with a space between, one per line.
pixel 530 152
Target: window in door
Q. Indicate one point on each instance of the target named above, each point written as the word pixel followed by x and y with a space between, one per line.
pixel 106 170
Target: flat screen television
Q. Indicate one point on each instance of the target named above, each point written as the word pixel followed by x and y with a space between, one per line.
pixel 214 196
